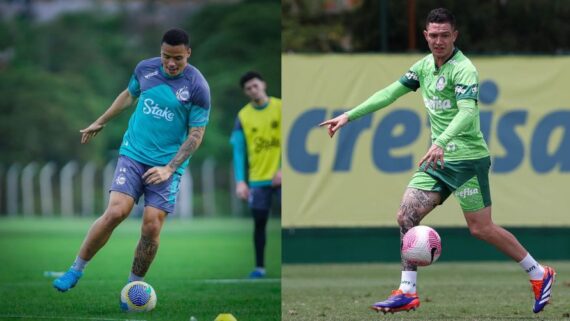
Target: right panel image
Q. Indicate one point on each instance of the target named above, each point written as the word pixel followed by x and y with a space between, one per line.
pixel 426 159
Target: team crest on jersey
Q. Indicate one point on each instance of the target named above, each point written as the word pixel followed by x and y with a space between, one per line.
pixel 183 94
pixel 440 84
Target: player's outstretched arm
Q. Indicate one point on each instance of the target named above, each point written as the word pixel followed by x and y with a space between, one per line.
pixel 379 100
pixel 159 174
pixel 123 100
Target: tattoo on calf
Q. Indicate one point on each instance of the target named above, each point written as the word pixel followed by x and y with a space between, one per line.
pixel 416 203
pixel 144 254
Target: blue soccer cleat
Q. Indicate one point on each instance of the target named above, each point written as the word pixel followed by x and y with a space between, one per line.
pixel 67 280
pixel 543 289
pixel 257 274
pixel 396 302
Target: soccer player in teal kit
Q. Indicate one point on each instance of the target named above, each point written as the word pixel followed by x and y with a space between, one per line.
pixel 164 131
pixel 457 162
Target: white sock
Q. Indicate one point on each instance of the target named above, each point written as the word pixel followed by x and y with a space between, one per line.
pixel 134 277
pixel 408 283
pixel 260 269
pixel 79 264
pixel 535 271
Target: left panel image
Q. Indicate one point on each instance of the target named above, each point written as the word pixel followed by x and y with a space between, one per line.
pixel 140 160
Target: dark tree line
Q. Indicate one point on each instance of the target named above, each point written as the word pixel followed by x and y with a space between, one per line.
pixel 485 26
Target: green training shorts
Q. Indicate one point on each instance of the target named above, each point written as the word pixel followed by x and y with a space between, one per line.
pixel 467 179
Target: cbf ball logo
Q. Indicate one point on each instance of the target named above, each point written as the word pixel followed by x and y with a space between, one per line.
pixel 183 94
pixel 440 84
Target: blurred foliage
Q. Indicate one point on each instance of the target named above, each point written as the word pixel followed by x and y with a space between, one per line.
pixel 485 26
pixel 65 73
pixel 229 41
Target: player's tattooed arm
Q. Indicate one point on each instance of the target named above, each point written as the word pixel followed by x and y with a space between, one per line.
pixel 415 205
pixel 144 254
pixel 159 174
pixel 188 147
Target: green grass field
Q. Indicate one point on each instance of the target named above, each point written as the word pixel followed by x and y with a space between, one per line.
pixel 200 270
pixel 448 291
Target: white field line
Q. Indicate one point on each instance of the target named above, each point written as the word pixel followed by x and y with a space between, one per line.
pixel 231 281
pixel 199 281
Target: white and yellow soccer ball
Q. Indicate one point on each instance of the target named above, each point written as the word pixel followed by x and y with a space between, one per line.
pixel 138 296
pixel 421 246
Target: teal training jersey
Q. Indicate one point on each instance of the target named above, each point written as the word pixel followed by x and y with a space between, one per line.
pixel 167 107
pixel 441 88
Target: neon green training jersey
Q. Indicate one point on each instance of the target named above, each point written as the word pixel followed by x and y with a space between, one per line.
pixel 442 88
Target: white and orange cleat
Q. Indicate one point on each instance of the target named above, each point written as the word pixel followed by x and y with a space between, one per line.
pixel 543 289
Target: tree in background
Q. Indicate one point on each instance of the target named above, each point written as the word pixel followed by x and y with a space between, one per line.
pixel 488 26
pixel 65 72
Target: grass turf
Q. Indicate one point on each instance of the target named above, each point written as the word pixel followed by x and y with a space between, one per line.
pixel 479 291
pixel 200 270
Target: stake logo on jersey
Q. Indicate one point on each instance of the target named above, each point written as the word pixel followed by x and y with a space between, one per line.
pixel 151 108
pixel 441 88
pixel 261 143
pixel 167 107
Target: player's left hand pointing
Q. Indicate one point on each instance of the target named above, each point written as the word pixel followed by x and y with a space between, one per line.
pixel 157 174
pixel 433 155
pixel 335 124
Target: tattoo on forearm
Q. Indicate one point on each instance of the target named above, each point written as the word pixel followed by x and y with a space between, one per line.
pixel 144 254
pixel 416 203
pixel 188 147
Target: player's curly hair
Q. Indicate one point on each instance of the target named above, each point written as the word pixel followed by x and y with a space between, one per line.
pixel 175 37
pixel 441 15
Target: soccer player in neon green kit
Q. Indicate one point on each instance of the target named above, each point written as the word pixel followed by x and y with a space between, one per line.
pixel 457 162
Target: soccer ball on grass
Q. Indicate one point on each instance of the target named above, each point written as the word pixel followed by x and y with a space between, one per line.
pixel 421 246
pixel 138 296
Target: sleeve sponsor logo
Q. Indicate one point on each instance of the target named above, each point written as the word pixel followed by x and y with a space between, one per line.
pixel 464 89
pixel 154 73
pixel 410 75
pixel 460 89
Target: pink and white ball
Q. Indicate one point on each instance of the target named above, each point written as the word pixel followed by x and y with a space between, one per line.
pixel 421 246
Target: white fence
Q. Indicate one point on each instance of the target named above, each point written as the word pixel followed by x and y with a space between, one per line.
pixel 82 190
